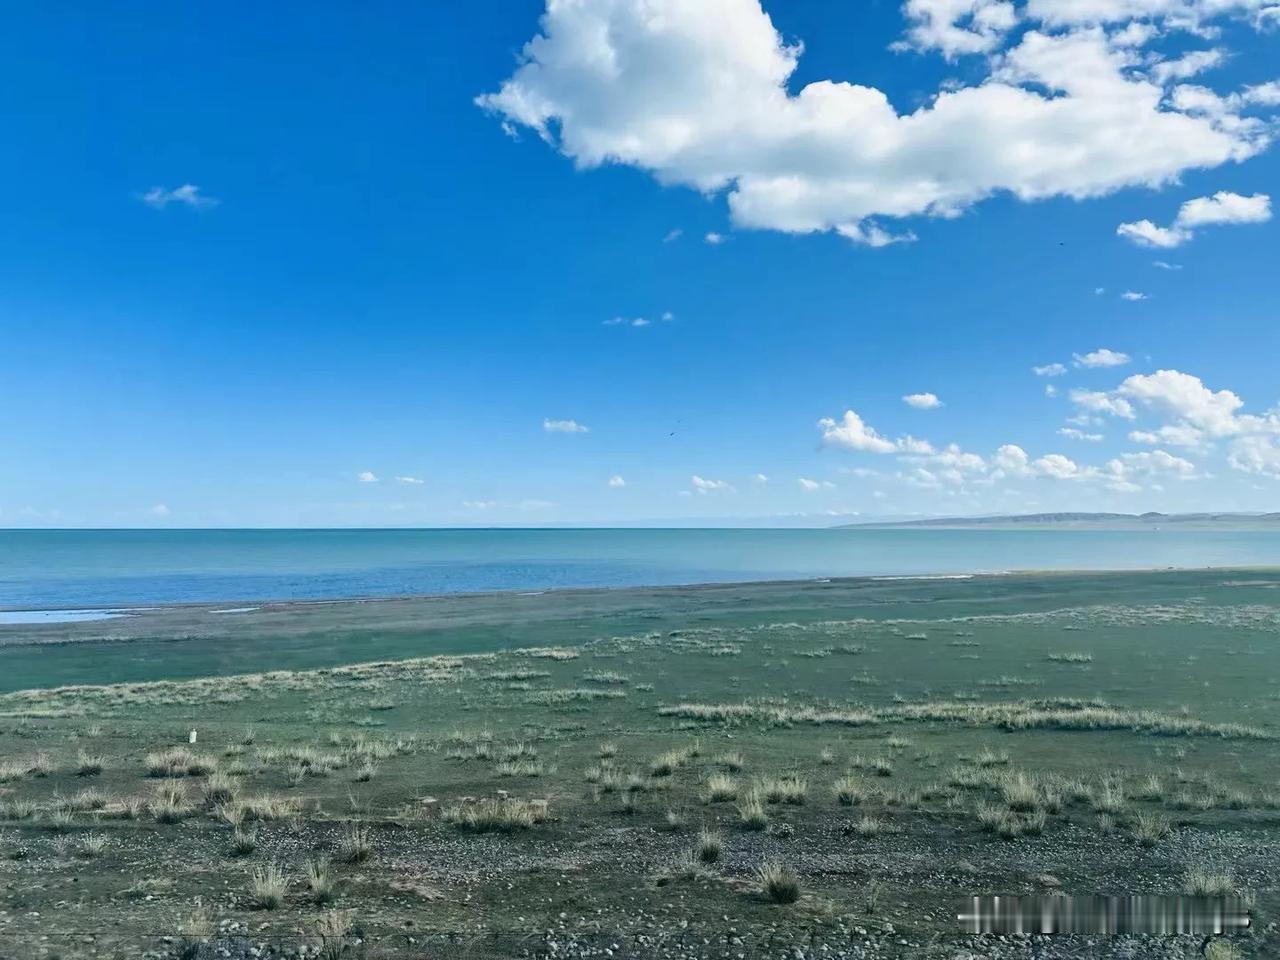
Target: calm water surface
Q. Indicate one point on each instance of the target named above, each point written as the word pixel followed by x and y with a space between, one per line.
pixel 41 569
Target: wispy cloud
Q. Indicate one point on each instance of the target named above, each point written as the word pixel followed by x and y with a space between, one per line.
pixel 1133 296
pixel 1074 433
pixel 1049 370
pixel 703 485
pixel 811 486
pixel 1101 357
pixel 564 426
pixel 412 481
pixel 187 195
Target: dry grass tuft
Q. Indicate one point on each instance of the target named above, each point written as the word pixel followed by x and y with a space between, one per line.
pixel 709 846
pixel 751 812
pixel 267 887
pixel 777 883
pixel 500 815
pixel 720 787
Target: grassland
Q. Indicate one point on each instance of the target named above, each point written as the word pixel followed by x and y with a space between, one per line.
pixel 737 771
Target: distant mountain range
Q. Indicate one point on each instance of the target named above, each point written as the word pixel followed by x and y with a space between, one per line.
pixel 1087 520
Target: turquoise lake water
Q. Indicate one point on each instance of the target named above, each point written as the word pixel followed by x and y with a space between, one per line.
pixel 41 569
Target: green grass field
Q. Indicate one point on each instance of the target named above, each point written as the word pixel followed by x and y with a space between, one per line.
pixel 726 771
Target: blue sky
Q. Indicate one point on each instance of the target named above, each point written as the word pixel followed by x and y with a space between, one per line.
pixel 252 258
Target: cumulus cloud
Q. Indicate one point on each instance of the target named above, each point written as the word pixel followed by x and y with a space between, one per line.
pixel 625 322
pixel 698 94
pixel 1101 357
pixel 957 27
pixel 1171 434
pixel 564 426
pixel 1194 407
pixel 187 195
pixel 702 485
pixel 1049 370
pixel 1221 208
pixel 160 510
pixel 922 401
pixel 367 476
pixel 852 433
pixel 616 481
pixel 1195 416
pixel 1099 401
pixel 1256 455
pixel 1133 296
pixel 955 469
pixel 713 238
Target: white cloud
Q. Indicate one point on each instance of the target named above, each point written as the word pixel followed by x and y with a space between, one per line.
pixel 1097 401
pixel 922 401
pixel 1133 296
pixel 1055 465
pixel 1221 208
pixel 367 476
pixel 187 195
pixel 1050 390
pixel 564 426
pixel 616 481
pixel 761 479
pixel 1171 434
pixel 703 485
pixel 1197 416
pixel 1188 15
pixel 852 433
pixel 1147 234
pixel 713 238
pixel 626 322
pixel 160 510
pixel 1264 94
pixel 809 486
pixel 1050 370
pixel 671 235
pixel 697 94
pixel 1185 397
pixel 1256 455
pixel 1166 265
pixel 1188 65
pixel 957 26
pixel 411 481
pixel 1101 357
pixel 1224 208
pixel 1074 433
pixel 1011 459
